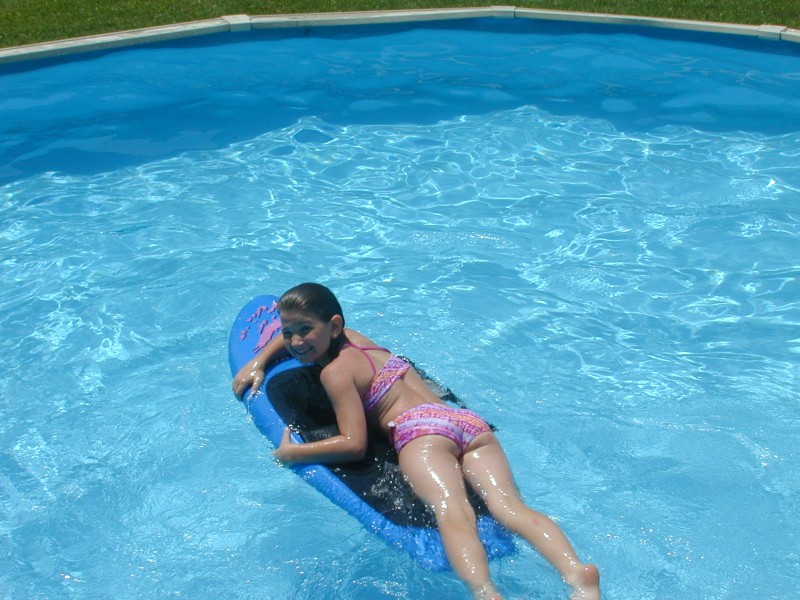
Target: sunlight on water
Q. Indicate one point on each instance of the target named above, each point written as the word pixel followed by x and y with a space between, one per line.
pixel 622 305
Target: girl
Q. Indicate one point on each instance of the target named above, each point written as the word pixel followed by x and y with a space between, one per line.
pixel 440 449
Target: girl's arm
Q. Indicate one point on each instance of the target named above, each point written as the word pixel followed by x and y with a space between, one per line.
pixel 251 375
pixel 351 443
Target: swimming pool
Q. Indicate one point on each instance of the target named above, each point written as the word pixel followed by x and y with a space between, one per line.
pixel 589 232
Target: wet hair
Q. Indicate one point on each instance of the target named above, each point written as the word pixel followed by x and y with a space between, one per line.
pixel 319 301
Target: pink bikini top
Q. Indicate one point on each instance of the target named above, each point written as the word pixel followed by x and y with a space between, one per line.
pixel 382 380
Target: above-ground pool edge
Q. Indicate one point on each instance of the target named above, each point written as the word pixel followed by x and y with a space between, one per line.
pixel 233 23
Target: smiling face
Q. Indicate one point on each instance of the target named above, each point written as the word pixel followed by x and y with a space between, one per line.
pixel 307 337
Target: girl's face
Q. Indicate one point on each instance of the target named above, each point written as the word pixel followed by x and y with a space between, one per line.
pixel 307 337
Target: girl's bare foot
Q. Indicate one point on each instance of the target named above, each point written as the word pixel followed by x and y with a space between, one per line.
pixel 585 583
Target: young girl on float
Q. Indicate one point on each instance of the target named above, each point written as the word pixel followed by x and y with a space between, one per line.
pixel 440 448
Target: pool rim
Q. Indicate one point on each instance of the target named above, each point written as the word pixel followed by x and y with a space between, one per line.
pixel 243 22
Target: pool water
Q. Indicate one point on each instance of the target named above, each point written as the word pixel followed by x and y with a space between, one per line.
pixel 589 233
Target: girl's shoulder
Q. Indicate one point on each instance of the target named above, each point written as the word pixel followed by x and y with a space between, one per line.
pixel 358 339
pixel 353 335
pixel 343 372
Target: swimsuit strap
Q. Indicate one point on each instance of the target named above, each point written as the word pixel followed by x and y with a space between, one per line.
pixel 363 350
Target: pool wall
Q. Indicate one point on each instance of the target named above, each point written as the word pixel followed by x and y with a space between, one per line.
pixel 237 23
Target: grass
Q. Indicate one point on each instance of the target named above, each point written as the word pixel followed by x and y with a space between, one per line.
pixel 31 21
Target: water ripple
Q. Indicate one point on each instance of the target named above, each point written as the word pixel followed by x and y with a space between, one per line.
pixel 627 306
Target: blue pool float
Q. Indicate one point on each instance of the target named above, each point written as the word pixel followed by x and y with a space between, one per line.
pixel 373 490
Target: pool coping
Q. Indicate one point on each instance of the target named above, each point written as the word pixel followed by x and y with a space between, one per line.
pixel 235 23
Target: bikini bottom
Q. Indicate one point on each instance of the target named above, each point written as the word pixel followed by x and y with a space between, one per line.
pixel 458 424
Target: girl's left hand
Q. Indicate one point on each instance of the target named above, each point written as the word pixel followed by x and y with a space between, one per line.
pixel 284 451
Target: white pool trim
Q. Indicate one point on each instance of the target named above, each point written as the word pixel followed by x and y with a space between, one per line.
pixel 231 23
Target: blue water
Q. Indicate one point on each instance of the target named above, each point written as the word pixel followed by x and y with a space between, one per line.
pixel 592 237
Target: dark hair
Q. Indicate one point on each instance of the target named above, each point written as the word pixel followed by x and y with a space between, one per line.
pixel 318 300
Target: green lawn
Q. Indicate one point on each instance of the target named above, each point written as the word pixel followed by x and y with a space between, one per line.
pixel 30 21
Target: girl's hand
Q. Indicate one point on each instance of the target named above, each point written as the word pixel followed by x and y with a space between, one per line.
pixel 284 451
pixel 249 376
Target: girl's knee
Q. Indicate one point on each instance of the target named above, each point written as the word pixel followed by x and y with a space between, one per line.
pixel 511 511
pixel 505 502
pixel 455 511
pixel 455 516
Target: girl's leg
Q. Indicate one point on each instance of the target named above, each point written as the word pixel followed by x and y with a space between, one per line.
pixel 431 465
pixel 486 468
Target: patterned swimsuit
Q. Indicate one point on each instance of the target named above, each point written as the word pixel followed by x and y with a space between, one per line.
pixel 458 424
